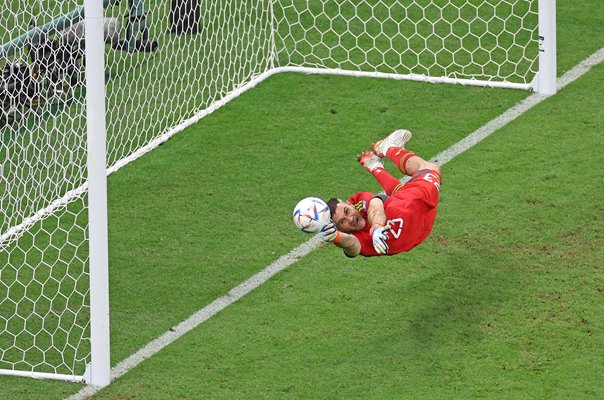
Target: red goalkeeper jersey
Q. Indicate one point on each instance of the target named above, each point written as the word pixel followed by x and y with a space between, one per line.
pixel 410 212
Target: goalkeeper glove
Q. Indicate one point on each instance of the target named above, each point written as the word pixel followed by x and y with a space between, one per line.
pixel 379 234
pixel 329 233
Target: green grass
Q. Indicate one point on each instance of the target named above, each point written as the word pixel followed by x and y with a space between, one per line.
pixel 503 300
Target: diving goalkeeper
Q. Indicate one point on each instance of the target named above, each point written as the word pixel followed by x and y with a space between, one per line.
pixel 371 224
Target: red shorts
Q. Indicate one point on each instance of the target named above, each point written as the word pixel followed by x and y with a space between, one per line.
pixel 416 204
pixel 425 184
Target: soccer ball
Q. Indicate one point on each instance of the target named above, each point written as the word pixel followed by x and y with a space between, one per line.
pixel 311 215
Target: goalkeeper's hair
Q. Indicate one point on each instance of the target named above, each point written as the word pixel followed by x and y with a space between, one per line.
pixel 332 204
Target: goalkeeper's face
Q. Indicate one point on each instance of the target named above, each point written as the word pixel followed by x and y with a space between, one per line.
pixel 347 218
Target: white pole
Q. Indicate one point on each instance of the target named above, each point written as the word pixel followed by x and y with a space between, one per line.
pixel 99 370
pixel 547 47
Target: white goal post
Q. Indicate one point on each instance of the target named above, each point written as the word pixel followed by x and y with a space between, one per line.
pixel 156 67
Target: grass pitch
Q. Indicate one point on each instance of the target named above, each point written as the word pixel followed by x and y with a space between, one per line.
pixel 503 300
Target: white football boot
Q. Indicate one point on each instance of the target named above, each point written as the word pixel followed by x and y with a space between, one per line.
pixel 397 138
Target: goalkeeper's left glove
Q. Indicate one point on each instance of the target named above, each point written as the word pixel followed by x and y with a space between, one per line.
pixel 329 233
pixel 379 234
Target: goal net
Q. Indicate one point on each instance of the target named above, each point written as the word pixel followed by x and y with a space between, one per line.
pixel 168 64
pixel 481 42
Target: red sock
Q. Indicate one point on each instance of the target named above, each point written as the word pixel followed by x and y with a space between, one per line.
pixel 400 156
pixel 388 182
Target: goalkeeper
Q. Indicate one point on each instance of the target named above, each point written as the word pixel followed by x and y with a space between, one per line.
pixel 386 224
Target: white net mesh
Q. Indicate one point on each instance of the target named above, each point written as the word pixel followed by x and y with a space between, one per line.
pixel 44 308
pixel 167 62
pixel 206 50
pixel 488 40
pixel 43 279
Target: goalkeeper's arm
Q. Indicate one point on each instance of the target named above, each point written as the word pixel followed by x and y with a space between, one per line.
pixel 377 220
pixel 375 211
pixel 349 243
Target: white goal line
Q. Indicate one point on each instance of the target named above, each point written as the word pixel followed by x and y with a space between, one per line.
pixel 285 261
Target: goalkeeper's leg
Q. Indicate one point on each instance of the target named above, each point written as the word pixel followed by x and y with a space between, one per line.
pixel 374 165
pixel 408 162
pixel 393 147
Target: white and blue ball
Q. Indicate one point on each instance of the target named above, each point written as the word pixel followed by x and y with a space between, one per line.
pixel 311 215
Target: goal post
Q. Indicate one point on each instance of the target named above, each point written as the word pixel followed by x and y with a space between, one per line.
pixel 546 77
pixel 98 372
pixel 65 124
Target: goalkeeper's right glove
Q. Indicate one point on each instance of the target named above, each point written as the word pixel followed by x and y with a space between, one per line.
pixel 329 233
pixel 379 235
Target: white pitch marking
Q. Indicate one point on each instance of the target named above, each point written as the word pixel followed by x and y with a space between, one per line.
pixel 285 261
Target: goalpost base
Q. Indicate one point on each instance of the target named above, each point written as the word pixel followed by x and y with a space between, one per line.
pixel 44 375
pixel 407 77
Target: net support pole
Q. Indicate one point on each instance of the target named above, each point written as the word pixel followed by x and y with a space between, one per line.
pixel 99 369
pixel 547 47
